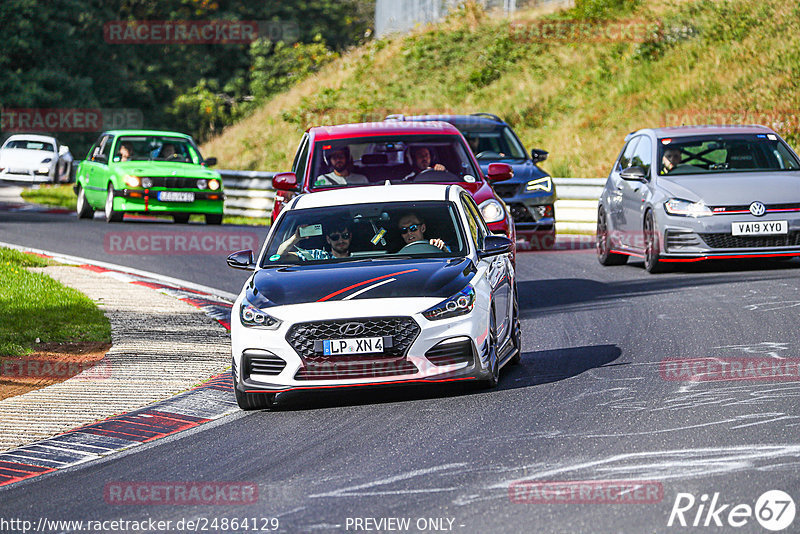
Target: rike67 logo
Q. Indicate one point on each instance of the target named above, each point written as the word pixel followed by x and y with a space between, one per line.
pixel 774 510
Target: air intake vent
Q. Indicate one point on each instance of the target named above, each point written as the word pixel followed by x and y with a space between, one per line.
pixel 450 353
pixel 262 362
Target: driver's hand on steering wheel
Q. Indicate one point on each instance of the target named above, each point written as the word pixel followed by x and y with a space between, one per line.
pixel 438 243
pixel 439 167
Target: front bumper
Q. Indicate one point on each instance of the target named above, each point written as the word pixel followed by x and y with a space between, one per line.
pixel 283 364
pixel 685 239
pixel 146 200
pixel 26 176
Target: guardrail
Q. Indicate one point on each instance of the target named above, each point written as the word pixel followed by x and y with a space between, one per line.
pixel 250 194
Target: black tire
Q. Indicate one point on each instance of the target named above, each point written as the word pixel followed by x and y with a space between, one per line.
pixel 84 210
pixel 181 218
pixel 604 254
pixel 494 377
pixel 516 332
pixel 111 214
pixel 652 246
pixel 213 218
pixel 254 401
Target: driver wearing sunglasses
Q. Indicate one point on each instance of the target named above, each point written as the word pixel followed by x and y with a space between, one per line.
pixel 337 236
pixel 412 228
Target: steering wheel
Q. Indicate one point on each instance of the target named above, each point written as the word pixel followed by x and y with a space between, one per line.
pixel 431 175
pixel 418 247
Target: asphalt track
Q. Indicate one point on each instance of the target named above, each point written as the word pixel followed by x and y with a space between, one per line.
pixel 589 402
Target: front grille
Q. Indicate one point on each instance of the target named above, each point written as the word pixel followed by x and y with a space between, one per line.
pixel 339 370
pixel 174 182
pixel 520 213
pixel 746 207
pixel 792 239
pixel 403 331
pixel 506 190
pixel 673 239
pixel 262 363
pixel 450 353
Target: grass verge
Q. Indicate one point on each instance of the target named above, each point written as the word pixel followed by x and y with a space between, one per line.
pixel 34 307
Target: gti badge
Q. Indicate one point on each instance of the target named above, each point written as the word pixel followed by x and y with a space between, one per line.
pixel 352 329
pixel 758 209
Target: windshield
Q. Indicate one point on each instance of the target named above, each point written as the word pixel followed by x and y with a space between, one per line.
pixel 499 143
pixel 31 145
pixel 725 153
pixel 399 158
pixel 145 148
pixel 381 230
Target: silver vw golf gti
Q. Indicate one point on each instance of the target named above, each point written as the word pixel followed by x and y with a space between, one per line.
pixel 695 193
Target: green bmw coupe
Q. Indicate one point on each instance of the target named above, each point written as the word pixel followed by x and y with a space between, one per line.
pixel 145 171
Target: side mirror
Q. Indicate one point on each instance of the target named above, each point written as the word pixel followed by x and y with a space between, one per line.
pixel 285 181
pixel 499 172
pixel 494 245
pixel 634 174
pixel 242 259
pixel 210 162
pixel 538 155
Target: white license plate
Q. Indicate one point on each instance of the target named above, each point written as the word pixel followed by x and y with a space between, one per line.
pixel 175 196
pixel 362 345
pixel 760 228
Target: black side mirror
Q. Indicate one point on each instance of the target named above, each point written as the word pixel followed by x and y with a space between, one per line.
pixel 210 162
pixel 634 174
pixel 494 245
pixel 242 259
pixel 538 155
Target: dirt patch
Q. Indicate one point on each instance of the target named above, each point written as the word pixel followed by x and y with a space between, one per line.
pixel 51 364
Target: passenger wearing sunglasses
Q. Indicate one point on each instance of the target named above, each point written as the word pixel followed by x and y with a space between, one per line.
pixel 337 235
pixel 412 228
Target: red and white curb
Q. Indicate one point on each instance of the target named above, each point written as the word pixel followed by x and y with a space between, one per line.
pixel 207 402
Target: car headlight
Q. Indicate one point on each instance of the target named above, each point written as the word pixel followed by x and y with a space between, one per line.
pixel 540 184
pixel 132 181
pixel 253 317
pixel 492 210
pixel 213 185
pixel 202 184
pixel 459 304
pixel 147 183
pixel 685 208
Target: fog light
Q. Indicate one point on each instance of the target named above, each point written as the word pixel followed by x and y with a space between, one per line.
pixel 202 184
pixel 147 182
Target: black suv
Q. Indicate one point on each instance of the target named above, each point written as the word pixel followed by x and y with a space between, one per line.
pixel 530 194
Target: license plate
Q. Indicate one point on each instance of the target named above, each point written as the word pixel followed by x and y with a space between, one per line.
pixel 175 196
pixel 760 228
pixel 362 345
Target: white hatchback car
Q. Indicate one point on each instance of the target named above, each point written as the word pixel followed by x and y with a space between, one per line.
pixel 374 286
pixel 34 158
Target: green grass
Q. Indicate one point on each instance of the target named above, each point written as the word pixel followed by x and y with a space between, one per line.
pixel 33 305
pixel 734 61
pixel 60 196
pixel 63 196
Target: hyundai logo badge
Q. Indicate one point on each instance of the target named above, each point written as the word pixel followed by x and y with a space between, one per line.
pixel 352 329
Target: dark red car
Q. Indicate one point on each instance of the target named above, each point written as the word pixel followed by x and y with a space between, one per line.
pixel 369 154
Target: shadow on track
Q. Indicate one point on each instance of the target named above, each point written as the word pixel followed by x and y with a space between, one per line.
pixel 541 297
pixel 539 367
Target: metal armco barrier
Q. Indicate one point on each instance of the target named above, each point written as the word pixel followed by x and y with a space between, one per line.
pixel 250 194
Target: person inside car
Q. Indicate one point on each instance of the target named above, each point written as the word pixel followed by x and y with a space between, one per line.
pixel 412 229
pixel 671 159
pixel 421 160
pixel 337 236
pixel 341 162
pixel 125 151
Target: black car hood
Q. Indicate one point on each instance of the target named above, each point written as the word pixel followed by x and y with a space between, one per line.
pixel 434 277
pixel 524 169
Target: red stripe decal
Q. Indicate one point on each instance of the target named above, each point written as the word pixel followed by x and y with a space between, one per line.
pixel 728 257
pixel 348 288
